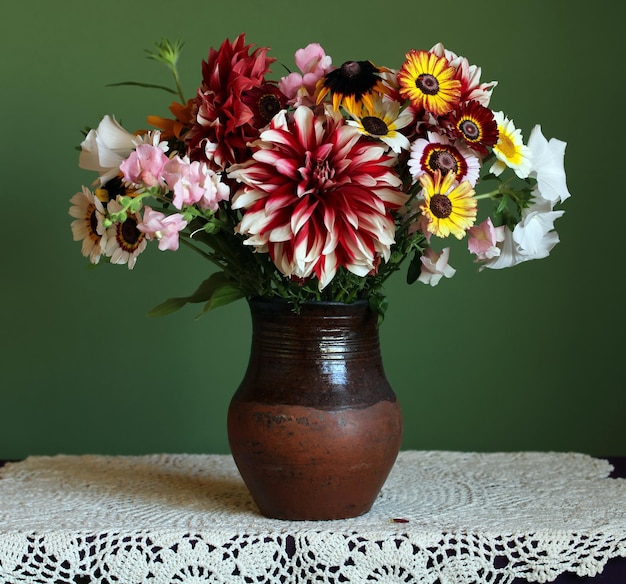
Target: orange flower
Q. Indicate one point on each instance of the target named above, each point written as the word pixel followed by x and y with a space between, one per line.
pixel 179 125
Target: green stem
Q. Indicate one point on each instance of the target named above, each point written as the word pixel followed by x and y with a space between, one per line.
pixel 179 88
pixel 488 195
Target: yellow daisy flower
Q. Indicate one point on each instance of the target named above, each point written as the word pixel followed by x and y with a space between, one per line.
pixel 428 82
pixel 449 208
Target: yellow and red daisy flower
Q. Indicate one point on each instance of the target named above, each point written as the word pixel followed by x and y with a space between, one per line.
pixel 428 82
pixel 439 153
pixel 449 207
pixel 476 126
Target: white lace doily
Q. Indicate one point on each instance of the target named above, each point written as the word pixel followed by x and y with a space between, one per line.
pixel 442 517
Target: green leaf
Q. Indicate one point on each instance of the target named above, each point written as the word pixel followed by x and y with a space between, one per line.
pixel 415 268
pixel 378 305
pixel 221 296
pixel 167 307
pixel 217 290
pixel 147 85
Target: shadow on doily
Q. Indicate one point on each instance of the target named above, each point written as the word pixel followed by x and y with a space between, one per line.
pixel 167 485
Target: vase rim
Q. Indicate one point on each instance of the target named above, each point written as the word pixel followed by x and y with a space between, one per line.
pixel 278 300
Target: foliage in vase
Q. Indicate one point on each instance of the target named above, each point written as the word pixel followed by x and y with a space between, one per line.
pixel 320 184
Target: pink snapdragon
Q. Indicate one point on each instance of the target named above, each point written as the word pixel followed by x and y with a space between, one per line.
pixel 144 167
pixel 483 240
pixel 164 228
pixel 194 182
pixel 314 63
pixel 435 266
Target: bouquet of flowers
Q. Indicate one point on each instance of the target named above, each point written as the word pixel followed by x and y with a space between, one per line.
pixel 322 183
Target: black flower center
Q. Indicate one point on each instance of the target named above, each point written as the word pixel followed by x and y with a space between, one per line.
pixel 115 187
pixel 440 206
pixel 352 78
pixel 128 234
pixel 427 83
pixel 443 161
pixel 93 220
pixel 470 130
pixel 351 69
pixel 268 105
pixel 374 126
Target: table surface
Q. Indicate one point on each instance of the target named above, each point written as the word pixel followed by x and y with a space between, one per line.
pixel 612 573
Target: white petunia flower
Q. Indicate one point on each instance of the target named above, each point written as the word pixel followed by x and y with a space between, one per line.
pixel 548 166
pixel 533 238
pixel 106 147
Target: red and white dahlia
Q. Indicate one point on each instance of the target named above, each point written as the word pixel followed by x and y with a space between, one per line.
pixel 317 197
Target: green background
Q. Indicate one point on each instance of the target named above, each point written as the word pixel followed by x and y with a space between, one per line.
pixel 529 358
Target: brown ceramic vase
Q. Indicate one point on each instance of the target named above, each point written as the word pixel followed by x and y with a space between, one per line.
pixel 314 427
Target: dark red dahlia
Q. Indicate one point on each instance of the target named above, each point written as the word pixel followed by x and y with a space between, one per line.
pixel 224 121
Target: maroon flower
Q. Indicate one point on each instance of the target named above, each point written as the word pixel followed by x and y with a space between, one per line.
pixel 224 121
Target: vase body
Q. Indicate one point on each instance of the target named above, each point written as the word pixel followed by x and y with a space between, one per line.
pixel 314 427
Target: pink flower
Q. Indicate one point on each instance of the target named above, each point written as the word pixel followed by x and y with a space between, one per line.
pixel 483 240
pixel 144 166
pixel 314 64
pixel 194 182
pixel 435 266
pixel 318 198
pixel 165 228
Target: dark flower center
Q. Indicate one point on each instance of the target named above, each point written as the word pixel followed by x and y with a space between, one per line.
pixel 268 105
pixel 351 68
pixel 470 130
pixel 128 234
pixel 93 220
pixel 374 126
pixel 115 187
pixel 352 78
pixel 440 206
pixel 427 83
pixel 443 161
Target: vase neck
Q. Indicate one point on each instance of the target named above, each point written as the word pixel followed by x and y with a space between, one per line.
pixel 327 355
pixel 326 331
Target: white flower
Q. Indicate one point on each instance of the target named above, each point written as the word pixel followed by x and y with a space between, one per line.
pixel 534 235
pixel 510 149
pixel 106 147
pixel 548 166
pixel 88 224
pixel 124 241
pixel 435 266
pixel 533 238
